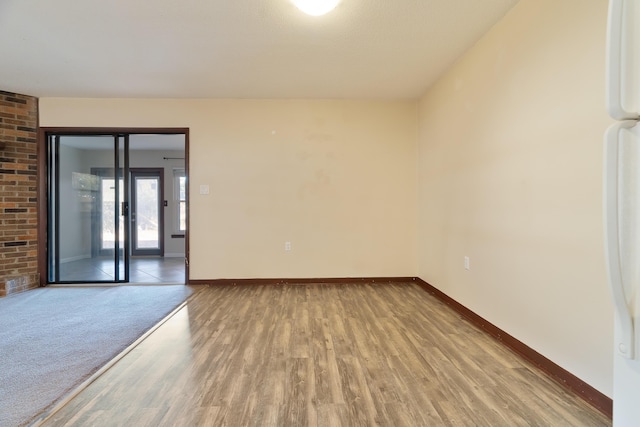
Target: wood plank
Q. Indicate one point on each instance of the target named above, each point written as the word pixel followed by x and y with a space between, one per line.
pixel 322 355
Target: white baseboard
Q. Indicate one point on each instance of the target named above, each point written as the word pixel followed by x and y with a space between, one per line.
pixel 74 258
pixel 173 255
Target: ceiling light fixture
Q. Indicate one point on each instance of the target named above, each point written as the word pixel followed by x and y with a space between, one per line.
pixel 316 7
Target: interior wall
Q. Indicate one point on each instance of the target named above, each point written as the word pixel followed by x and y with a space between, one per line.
pixel 510 154
pixel 335 178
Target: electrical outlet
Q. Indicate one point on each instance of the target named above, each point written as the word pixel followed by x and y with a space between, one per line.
pixel 287 246
pixel 466 263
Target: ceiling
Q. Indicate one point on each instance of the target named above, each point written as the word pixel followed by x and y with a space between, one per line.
pixel 364 49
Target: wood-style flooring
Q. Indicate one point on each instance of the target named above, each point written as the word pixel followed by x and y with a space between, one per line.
pixel 322 355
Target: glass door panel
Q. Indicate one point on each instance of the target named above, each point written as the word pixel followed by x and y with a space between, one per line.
pixel 146 222
pixel 147 211
pixel 75 197
pixel 87 229
pixel 107 211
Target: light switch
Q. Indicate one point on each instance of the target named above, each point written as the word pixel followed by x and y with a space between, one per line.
pixel 204 188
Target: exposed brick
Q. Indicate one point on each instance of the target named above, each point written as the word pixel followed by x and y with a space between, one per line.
pixel 18 196
pixel 11 244
pixel 16 266
pixel 15 100
pixel 10 256
pixel 25 139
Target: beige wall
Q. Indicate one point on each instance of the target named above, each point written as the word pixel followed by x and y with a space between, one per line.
pixel 510 175
pixel 335 178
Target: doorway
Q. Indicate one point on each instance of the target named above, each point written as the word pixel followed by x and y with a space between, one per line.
pixel 111 216
pixel 147 213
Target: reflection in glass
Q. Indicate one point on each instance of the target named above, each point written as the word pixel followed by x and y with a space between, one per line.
pixel 108 210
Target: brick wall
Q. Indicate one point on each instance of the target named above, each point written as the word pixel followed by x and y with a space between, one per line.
pixel 18 193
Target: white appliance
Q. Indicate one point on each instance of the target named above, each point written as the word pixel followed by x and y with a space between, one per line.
pixel 621 202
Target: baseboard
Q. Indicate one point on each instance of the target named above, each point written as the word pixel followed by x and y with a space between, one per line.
pixel 74 258
pixel 565 378
pixel 173 255
pixel 214 282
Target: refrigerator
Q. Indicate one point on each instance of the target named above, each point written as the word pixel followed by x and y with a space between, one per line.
pixel 621 201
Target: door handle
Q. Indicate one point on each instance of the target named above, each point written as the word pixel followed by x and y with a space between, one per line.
pixel 625 337
pixel 124 207
pixel 614 69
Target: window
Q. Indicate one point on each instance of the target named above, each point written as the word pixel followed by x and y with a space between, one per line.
pixel 180 196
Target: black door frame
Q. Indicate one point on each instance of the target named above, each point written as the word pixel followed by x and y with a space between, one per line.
pixel 44 203
pixel 119 253
pixel 151 172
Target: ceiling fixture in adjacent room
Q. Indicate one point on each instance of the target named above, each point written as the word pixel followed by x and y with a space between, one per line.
pixel 316 7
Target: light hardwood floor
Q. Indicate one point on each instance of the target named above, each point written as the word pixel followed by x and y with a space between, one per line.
pixel 322 355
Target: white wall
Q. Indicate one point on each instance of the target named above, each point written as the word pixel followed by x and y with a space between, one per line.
pixel 335 178
pixel 510 171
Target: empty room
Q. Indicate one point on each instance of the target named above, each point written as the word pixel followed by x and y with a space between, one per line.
pixel 262 213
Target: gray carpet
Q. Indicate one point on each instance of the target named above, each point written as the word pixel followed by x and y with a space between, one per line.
pixel 52 339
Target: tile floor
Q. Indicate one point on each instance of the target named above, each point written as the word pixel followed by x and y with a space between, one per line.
pixel 141 270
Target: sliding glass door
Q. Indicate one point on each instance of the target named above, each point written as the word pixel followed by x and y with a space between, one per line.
pixel 110 215
pixel 88 224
